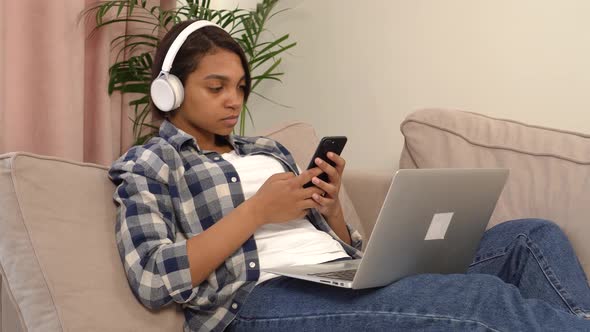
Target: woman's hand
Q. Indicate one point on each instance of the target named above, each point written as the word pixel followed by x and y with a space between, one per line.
pixel 282 197
pixel 329 204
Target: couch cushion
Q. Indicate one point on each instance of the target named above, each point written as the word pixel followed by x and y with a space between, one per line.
pixel 10 318
pixel 301 140
pixel 549 168
pixel 58 252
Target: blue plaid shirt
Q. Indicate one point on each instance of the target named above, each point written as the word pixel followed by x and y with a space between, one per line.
pixel 169 190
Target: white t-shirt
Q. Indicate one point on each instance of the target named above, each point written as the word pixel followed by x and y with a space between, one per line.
pixel 296 242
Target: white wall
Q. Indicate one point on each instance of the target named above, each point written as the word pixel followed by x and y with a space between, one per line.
pixel 361 66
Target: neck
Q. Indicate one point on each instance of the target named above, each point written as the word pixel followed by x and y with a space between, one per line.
pixel 212 142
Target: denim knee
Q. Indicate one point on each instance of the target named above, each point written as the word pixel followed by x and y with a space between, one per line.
pixel 534 222
pixel 530 226
pixel 489 282
pixel 472 284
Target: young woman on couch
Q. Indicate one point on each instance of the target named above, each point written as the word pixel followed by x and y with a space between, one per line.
pixel 201 211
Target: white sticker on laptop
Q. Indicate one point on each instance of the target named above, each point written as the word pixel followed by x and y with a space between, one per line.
pixel 438 226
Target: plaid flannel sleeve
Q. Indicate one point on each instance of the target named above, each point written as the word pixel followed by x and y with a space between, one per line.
pixel 157 266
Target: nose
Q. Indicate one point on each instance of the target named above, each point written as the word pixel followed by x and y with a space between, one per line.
pixel 235 99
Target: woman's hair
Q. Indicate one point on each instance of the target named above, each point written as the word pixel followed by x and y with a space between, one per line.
pixel 198 44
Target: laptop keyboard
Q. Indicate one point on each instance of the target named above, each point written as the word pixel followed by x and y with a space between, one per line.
pixel 344 274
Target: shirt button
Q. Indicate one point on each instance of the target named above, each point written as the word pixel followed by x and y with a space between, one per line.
pixel 216 158
pixel 234 179
pixel 234 306
pixel 252 264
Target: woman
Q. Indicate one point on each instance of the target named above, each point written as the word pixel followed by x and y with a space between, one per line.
pixel 202 211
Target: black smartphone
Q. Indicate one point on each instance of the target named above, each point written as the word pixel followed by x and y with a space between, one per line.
pixel 327 144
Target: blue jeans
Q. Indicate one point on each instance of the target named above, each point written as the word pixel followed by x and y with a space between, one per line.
pixel 524 277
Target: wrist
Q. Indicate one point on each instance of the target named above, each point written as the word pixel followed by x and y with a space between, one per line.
pixel 254 210
pixel 335 213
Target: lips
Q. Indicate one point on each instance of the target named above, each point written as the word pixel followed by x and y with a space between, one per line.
pixel 230 120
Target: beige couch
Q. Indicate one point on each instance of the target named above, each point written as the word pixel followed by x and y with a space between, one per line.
pixel 59 269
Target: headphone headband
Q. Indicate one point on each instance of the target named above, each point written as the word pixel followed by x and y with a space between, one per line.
pixel 175 47
pixel 166 90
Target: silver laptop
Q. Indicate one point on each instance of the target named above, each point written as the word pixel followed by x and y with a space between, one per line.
pixel 431 222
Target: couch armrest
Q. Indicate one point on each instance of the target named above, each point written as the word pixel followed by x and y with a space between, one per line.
pixel 367 191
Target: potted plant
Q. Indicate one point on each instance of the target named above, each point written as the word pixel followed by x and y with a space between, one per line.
pixel 131 72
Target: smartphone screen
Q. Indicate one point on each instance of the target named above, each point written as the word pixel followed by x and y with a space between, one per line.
pixel 327 144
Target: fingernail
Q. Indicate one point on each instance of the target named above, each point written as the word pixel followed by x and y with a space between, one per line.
pixel 318 161
pixel 315 180
pixel 330 154
pixel 316 196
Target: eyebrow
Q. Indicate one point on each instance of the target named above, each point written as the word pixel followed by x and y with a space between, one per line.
pixel 221 77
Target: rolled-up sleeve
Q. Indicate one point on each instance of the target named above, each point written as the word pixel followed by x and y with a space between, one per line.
pixel 156 265
pixel 356 238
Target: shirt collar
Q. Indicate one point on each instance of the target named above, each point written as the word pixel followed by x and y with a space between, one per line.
pixel 177 137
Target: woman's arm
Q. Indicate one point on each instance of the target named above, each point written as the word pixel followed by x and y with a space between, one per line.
pixel 207 250
pixel 330 206
pixel 161 269
pixel 338 224
pixel 281 198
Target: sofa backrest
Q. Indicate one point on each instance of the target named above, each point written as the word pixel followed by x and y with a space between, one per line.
pixel 58 252
pixel 549 168
pixel 59 266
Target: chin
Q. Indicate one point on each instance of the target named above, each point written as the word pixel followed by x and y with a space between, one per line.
pixel 225 131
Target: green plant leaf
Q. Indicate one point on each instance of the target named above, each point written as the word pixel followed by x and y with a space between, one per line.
pixel 140 101
pixel 270 45
pixel 270 100
pixel 121 6
pixel 267 56
pixel 265 76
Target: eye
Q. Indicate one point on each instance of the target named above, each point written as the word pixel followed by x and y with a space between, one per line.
pixel 215 88
pixel 242 88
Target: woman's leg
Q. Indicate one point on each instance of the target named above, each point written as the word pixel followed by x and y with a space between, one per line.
pixel 535 256
pixel 461 302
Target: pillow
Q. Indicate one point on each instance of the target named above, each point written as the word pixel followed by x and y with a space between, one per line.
pixel 549 168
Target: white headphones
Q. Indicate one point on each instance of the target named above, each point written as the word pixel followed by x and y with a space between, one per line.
pixel 166 90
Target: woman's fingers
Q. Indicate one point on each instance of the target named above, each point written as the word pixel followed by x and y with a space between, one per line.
pixel 339 161
pixel 328 169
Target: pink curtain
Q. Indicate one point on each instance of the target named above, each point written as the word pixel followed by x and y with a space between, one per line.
pixel 53 91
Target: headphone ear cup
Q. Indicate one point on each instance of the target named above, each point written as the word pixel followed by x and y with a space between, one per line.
pixel 167 92
pixel 178 89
